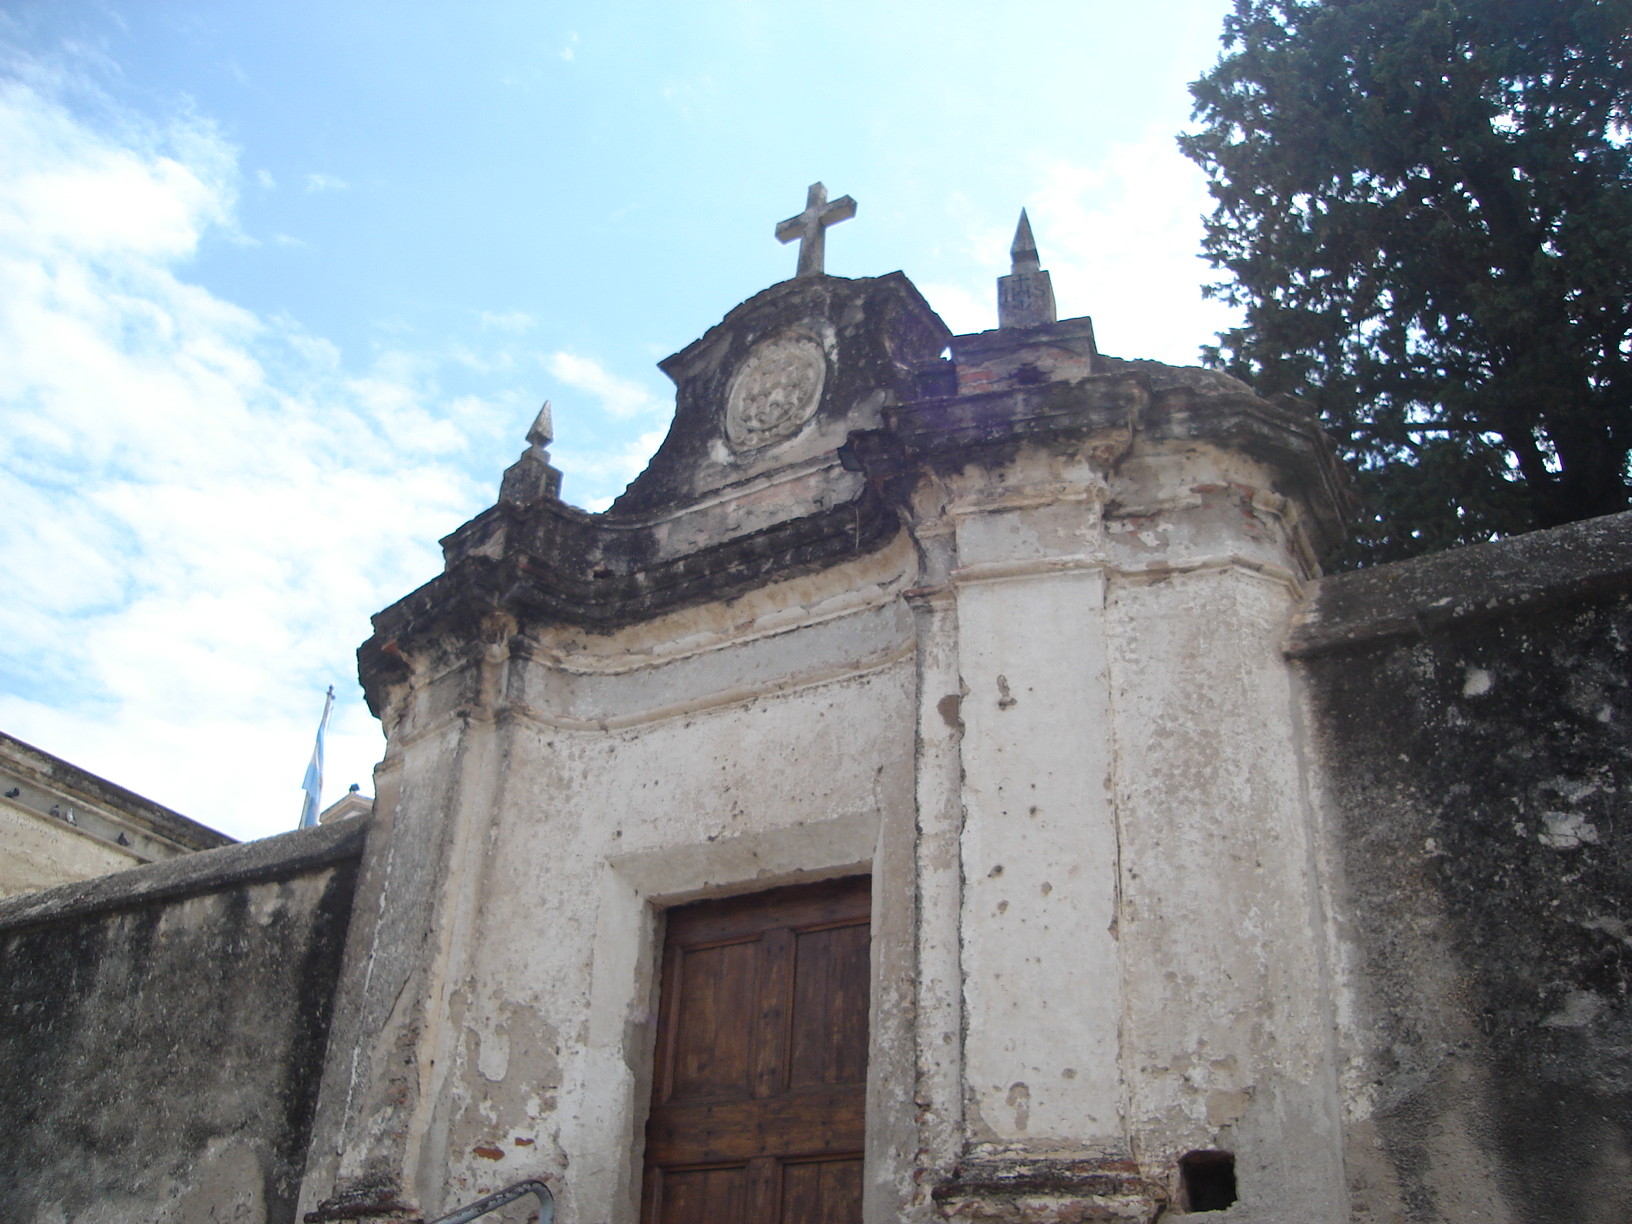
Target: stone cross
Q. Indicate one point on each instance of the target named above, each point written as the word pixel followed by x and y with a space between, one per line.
pixel 810 227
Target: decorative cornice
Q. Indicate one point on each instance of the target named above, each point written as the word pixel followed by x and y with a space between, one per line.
pixel 841 489
pixel 596 581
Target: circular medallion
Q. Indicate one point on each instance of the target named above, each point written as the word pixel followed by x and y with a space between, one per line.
pixel 775 391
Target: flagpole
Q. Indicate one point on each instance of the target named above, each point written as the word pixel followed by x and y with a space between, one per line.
pixel 313 785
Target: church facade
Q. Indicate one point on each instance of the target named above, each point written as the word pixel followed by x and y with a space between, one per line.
pixel 943 787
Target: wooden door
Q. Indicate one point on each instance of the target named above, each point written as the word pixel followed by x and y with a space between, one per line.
pixel 759 1086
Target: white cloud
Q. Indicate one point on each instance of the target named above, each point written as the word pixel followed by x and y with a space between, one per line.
pixel 620 397
pixel 326 182
pixel 64 187
pixel 599 462
pixel 265 179
pixel 960 307
pixel 203 506
pixel 516 321
pixel 605 471
pixel 1120 239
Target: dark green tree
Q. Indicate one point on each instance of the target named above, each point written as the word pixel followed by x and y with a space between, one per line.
pixel 1424 208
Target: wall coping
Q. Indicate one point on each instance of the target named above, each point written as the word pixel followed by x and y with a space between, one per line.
pixel 1408 599
pixel 270 858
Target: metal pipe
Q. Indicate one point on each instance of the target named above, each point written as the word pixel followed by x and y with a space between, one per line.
pixel 546 1203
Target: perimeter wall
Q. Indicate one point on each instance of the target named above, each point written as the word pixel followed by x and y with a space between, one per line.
pixel 1470 713
pixel 163 1031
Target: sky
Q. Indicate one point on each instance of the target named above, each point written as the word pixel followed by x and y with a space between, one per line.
pixel 283 285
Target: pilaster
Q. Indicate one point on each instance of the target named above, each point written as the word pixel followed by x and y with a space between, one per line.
pixel 368 1158
pixel 938 1096
pixel 1113 552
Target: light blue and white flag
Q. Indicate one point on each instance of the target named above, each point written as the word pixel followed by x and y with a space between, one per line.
pixel 314 772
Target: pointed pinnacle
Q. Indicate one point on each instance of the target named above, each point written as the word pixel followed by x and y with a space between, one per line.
pixel 1024 250
pixel 542 432
pixel 1025 297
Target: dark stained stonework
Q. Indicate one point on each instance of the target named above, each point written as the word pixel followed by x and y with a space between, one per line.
pixel 695 525
pixel 1472 711
pixel 1410 598
pixel 1109 409
pixel 565 566
pixel 162 1032
pixel 710 519
pixel 878 333
pixel 1076 1190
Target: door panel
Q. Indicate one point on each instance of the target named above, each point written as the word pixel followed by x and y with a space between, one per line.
pixel 720 985
pixel 830 968
pixel 700 1196
pixel 758 1094
pixel 825 1192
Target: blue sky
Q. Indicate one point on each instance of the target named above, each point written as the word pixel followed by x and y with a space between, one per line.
pixel 286 284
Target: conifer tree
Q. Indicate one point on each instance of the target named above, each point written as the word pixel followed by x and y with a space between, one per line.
pixel 1425 209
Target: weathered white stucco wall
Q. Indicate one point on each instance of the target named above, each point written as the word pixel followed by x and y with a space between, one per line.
pixel 1051 716
pixel 1142 948
pixel 728 748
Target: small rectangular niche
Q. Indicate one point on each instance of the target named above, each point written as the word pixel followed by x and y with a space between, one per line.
pixel 1207 1181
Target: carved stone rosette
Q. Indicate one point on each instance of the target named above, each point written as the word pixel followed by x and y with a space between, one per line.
pixel 775 391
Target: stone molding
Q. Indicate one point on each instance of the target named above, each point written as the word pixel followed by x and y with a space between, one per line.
pixel 1109 411
pixel 551 563
pixel 1049 1191
pixel 1414 597
pixel 709 521
pixel 54 778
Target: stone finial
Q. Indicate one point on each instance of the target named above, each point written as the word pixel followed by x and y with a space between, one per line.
pixel 1023 250
pixel 810 227
pixel 531 477
pixel 1025 297
pixel 542 432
